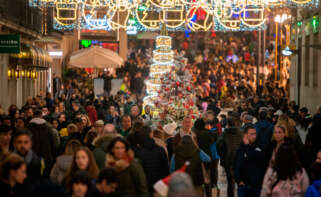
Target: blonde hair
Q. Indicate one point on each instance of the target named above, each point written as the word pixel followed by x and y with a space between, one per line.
pixel 72 128
pixel 87 118
pixel 283 128
pixel 289 124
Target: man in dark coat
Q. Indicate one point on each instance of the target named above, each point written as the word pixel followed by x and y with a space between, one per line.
pixel 22 145
pixel 41 131
pixel 107 83
pixel 249 165
pixel 264 129
pixel 227 145
pixel 153 158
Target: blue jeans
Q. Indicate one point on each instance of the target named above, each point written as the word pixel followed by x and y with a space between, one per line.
pixel 246 191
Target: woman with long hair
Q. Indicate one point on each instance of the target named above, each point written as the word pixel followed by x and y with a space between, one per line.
pixel 280 135
pixel 132 179
pixel 13 172
pixel 63 162
pixel 286 177
pixel 83 160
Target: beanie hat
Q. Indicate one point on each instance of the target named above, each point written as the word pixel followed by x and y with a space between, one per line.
pixel 161 186
pixel 180 182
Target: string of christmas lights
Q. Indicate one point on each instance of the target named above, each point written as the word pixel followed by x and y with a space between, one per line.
pixel 179 15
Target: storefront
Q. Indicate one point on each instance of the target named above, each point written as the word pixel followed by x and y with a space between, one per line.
pixel 24 74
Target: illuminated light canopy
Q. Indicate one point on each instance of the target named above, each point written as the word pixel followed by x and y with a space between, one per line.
pixel 178 15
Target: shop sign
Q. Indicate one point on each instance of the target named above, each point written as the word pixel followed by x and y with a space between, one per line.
pixel 9 43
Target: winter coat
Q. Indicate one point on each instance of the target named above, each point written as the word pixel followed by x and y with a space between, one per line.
pixel 178 137
pixel 204 140
pixel 132 179
pixel 189 152
pixel 154 161
pixel 61 168
pixel 314 190
pixel 101 148
pixel 162 144
pixel 47 150
pixel 313 137
pixel 34 169
pixel 284 188
pixel 228 144
pixel 92 114
pixel 264 130
pixel 249 166
pixel 16 191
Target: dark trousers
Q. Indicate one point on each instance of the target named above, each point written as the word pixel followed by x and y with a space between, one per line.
pixel 214 172
pixel 246 191
pixel 230 181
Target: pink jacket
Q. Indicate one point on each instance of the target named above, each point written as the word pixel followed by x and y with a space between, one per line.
pixel 288 188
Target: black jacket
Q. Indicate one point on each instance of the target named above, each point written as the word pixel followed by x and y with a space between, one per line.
pixel 228 144
pixel 204 140
pixel 43 142
pixel 189 152
pixel 8 191
pixel 33 170
pixel 154 161
pixel 249 166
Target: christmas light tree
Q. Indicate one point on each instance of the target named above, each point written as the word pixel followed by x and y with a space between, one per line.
pixel 163 62
pixel 170 94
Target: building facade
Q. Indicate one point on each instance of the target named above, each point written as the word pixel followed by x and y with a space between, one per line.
pixel 26 73
pixel 305 72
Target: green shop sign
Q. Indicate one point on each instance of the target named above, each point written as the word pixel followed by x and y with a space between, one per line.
pixel 9 43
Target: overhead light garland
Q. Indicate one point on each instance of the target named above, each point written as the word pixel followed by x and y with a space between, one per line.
pixel 178 15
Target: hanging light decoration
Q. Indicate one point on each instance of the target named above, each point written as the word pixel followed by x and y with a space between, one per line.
pixel 150 14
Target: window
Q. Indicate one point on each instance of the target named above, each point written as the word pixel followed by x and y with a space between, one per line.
pixel 307 62
pixel 315 61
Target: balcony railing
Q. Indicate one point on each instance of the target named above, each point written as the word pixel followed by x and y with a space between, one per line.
pixel 20 13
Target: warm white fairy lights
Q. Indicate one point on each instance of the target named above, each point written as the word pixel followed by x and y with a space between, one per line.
pixel 196 15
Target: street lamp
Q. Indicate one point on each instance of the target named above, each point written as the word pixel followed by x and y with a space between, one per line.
pixel 279 18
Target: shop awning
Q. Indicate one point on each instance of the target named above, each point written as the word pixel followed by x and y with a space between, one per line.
pixel 31 56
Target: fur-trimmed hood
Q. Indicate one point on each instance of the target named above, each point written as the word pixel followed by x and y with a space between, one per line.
pixel 104 140
pixel 122 164
pixel 38 121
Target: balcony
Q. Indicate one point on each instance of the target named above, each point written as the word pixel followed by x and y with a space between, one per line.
pixel 19 13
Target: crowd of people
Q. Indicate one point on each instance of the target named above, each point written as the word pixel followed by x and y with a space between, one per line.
pixel 75 144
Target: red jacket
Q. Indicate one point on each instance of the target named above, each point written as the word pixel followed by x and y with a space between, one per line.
pixel 92 114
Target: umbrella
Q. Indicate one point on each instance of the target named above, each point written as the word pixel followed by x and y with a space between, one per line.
pixel 95 57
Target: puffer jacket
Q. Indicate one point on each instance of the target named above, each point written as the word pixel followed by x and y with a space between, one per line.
pixel 228 144
pixel 132 179
pixel 154 161
pixel 61 168
pixel 101 148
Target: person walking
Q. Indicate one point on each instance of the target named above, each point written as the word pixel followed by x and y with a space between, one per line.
pixel 153 158
pixel 249 165
pixel 284 178
pixel 132 179
pixel 227 145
